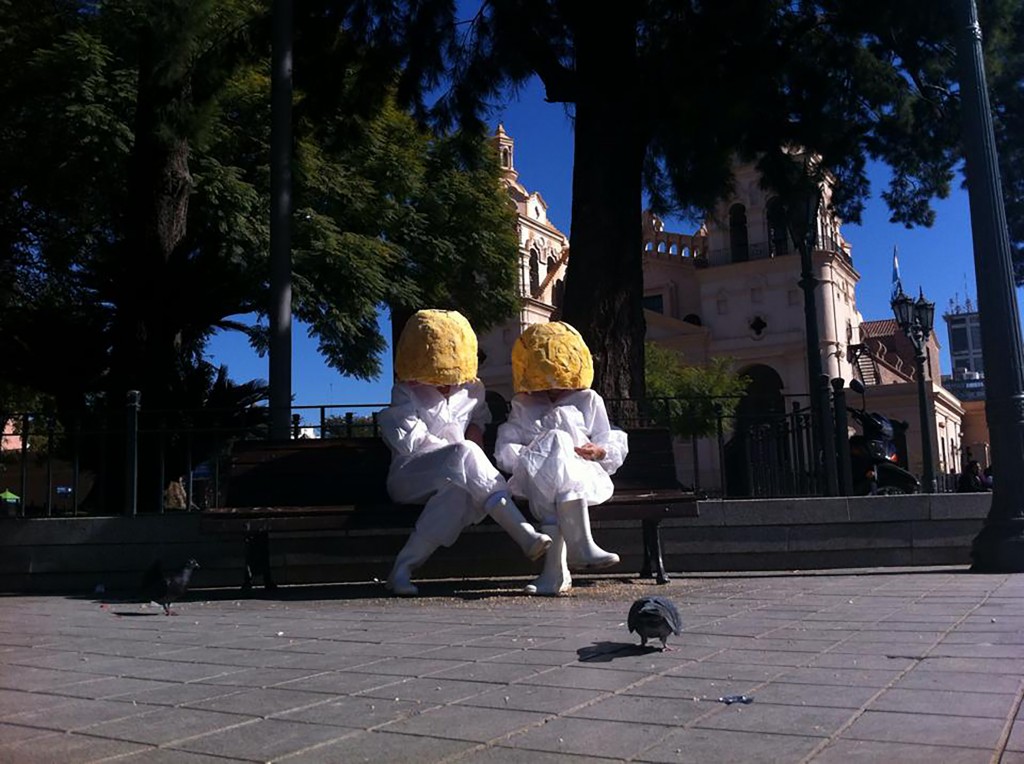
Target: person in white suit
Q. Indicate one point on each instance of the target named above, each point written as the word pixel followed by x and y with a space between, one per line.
pixel 434 428
pixel 559 448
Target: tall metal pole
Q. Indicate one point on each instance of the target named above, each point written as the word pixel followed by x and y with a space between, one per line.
pixel 821 418
pixel 999 547
pixel 927 453
pixel 280 221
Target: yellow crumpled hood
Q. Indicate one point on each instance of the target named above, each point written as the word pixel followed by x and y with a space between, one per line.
pixel 436 347
pixel 551 356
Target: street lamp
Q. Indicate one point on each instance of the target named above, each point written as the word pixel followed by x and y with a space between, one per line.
pixel 915 318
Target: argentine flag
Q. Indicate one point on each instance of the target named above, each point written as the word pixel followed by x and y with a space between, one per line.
pixel 897 285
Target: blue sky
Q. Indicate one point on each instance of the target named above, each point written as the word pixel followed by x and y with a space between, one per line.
pixel 940 259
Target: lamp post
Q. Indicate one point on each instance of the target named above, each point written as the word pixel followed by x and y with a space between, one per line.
pixel 915 318
pixel 802 210
pixel 999 546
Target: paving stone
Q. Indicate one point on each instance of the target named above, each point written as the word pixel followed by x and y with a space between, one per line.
pixel 871 752
pixel 629 708
pixel 945 702
pixel 964 681
pixel 263 702
pixel 1016 741
pixel 167 725
pixel 178 694
pixel 431 690
pixel 68 747
pixel 263 740
pixel 14 733
pixel 927 729
pixel 611 739
pixel 586 678
pixel 460 722
pixel 357 712
pixel 813 696
pixel 381 747
pixel 533 698
pixel 164 756
pixel 758 716
pixel 500 755
pixel 707 745
pixel 877 678
pixel 691 687
pixel 492 672
pixel 78 714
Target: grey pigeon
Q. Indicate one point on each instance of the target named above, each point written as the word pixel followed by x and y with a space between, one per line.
pixel 654 618
pixel 163 589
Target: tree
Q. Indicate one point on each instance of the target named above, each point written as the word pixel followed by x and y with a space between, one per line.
pixel 693 399
pixel 666 95
pixel 134 197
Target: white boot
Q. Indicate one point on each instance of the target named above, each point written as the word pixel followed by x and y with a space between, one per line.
pixel 555 578
pixel 415 552
pixel 507 515
pixel 582 552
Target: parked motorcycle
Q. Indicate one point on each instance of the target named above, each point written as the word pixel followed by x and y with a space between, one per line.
pixel 873 455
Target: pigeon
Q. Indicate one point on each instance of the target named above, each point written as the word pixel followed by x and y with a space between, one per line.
pixel 163 589
pixel 654 617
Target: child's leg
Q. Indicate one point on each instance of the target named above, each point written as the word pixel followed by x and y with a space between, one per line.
pixel 443 517
pixel 500 506
pixel 554 578
pixel 574 522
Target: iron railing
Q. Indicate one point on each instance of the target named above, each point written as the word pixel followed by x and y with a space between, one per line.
pixel 56 468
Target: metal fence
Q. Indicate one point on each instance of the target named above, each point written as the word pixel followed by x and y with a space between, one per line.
pixel 153 461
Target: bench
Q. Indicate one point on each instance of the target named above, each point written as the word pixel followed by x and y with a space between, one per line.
pixel 337 485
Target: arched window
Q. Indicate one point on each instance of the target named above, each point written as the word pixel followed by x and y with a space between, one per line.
pixel 534 272
pixel 738 234
pixel 506 158
pixel 777 231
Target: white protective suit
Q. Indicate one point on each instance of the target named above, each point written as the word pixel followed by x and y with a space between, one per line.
pixel 536 446
pixel 431 460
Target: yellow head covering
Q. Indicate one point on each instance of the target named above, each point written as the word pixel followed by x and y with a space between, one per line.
pixel 551 356
pixel 437 347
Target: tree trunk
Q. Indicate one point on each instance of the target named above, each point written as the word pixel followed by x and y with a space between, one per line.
pixel 604 283
pixel 147 333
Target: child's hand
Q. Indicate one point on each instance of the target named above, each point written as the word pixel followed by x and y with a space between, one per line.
pixel 591 452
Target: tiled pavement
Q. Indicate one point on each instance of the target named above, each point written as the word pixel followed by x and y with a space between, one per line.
pixel 855 666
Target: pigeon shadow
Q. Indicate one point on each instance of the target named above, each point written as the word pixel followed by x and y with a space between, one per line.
pixel 603 652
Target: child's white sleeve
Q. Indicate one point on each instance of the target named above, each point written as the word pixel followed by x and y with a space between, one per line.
pixel 508 445
pixel 404 431
pixel 614 441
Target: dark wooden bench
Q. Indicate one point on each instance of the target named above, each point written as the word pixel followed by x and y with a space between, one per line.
pixel 338 485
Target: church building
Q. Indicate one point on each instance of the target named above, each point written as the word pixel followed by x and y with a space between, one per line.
pixel 733 289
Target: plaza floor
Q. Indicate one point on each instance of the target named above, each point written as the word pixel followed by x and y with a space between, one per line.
pixel 882 665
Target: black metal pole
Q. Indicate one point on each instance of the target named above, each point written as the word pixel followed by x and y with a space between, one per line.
pixel 927 452
pixel 280 221
pixel 131 472
pixel 842 436
pixel 822 444
pixel 999 547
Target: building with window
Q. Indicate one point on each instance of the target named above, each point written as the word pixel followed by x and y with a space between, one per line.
pixel 733 289
pixel 543 254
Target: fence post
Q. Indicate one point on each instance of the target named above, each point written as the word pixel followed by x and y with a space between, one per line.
pixel 131 498
pixel 828 438
pixel 842 437
pixel 50 427
pixel 26 430
pixel 296 419
pixel 719 429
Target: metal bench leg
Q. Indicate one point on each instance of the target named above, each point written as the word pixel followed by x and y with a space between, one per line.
pixel 653 563
pixel 257 560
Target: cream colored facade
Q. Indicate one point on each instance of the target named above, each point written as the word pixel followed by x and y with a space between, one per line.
pixel 543 254
pixel 733 289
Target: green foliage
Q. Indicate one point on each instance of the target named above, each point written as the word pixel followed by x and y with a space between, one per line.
pixel 691 399
pixel 134 189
